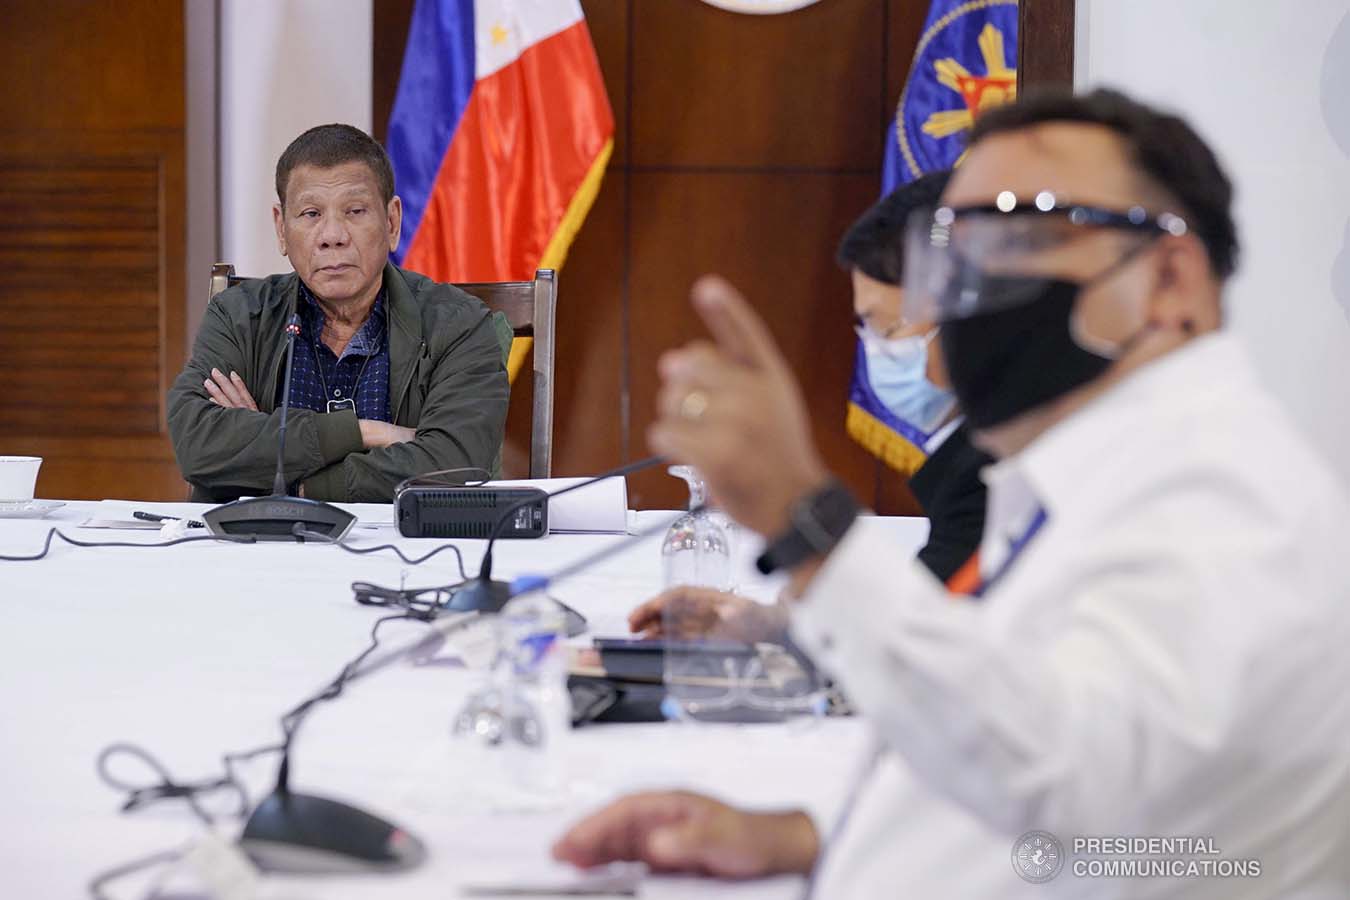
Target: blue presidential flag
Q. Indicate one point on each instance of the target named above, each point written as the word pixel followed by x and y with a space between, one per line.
pixel 965 62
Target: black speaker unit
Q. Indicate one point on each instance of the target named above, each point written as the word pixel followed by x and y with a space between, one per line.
pixel 470 512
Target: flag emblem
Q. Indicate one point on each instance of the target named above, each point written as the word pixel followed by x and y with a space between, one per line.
pixel 998 85
pixel 965 63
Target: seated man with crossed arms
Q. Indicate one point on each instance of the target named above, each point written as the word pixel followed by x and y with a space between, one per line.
pixel 395 375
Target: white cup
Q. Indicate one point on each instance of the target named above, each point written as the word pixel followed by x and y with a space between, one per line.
pixel 18 477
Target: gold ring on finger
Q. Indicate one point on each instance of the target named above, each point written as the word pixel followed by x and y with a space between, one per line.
pixel 694 405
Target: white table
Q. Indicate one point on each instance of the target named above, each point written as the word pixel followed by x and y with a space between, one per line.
pixel 195 650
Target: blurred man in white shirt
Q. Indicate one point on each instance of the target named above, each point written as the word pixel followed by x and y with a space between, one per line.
pixel 1150 642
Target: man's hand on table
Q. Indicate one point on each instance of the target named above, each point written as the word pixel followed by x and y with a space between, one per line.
pixel 732 409
pixel 685 612
pixel 677 831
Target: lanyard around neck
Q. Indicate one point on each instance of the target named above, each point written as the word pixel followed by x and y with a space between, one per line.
pixel 356 387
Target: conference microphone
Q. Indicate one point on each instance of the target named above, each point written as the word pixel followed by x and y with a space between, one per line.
pixel 308 834
pixel 483 594
pixel 304 833
pixel 280 517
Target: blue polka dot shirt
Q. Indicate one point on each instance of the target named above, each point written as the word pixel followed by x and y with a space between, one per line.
pixel 359 379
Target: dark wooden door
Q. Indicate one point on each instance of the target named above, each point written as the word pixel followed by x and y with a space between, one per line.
pixel 92 239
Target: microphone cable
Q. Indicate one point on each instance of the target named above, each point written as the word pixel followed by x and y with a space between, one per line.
pixel 56 533
pixel 138 796
pixel 168 788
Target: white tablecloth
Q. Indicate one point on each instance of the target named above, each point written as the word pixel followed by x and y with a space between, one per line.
pixel 195 650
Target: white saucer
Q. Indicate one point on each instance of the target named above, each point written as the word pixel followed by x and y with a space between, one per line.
pixel 28 509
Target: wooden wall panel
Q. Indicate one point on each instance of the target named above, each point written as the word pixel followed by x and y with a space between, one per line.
pixel 903 30
pixel 772 235
pixel 114 254
pixel 588 382
pixel 92 282
pixel 715 88
pixel 76 65
pixel 389 33
pixel 592 350
pixel 1045 31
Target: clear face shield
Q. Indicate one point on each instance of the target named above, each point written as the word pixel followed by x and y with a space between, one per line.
pixel 970 261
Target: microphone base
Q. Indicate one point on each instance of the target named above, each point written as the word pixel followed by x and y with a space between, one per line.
pixel 480 595
pixel 275 518
pixel 489 596
pixel 304 834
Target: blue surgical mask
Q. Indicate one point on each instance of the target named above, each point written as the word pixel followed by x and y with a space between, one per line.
pixel 897 370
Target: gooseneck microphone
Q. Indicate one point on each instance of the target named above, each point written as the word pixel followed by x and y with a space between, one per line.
pixel 483 594
pixel 309 834
pixel 279 478
pixel 280 517
pixel 294 832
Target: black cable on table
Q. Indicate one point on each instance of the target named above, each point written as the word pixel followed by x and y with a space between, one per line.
pixel 76 542
pixel 433 479
pixel 290 722
pixel 166 788
pixel 300 532
pixel 55 533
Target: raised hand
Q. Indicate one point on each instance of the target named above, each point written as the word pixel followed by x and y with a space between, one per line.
pixel 732 409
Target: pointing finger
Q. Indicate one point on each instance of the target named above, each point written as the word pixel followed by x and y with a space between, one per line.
pixel 734 324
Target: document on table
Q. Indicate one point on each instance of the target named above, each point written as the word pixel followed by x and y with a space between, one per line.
pixel 117 514
pixel 601 508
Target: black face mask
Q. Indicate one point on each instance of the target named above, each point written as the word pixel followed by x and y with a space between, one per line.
pixel 1006 362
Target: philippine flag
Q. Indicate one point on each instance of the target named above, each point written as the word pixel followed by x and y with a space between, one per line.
pixel 499 136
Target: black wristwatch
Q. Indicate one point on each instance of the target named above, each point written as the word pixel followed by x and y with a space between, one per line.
pixel 817 522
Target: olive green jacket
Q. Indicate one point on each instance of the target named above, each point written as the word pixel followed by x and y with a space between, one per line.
pixel 447 380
